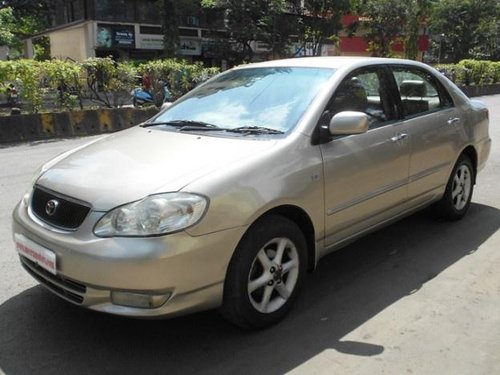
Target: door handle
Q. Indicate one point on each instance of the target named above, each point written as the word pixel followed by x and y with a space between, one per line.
pixel 453 121
pixel 399 137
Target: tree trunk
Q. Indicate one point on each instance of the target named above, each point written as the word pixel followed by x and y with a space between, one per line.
pixel 170 28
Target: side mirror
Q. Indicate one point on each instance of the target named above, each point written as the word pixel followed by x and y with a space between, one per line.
pixel 348 122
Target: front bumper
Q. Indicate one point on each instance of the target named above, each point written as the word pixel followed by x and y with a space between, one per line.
pixel 190 269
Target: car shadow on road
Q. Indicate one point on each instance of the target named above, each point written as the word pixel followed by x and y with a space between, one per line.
pixel 41 334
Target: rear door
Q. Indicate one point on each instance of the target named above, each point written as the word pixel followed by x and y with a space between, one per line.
pixel 434 125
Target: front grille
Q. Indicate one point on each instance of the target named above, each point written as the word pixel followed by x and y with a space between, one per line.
pixel 63 287
pixel 68 214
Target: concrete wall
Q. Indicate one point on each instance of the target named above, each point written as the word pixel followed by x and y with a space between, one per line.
pixel 481 90
pixel 23 128
pixel 71 42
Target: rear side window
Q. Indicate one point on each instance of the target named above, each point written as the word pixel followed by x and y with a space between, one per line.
pixel 420 92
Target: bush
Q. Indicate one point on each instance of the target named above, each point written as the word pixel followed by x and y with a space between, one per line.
pixel 472 72
pixel 28 76
pixel 177 75
pixel 65 78
pixel 494 71
pixel 108 83
pixel 479 71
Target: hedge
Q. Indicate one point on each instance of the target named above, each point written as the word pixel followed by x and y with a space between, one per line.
pixel 472 72
pixel 67 84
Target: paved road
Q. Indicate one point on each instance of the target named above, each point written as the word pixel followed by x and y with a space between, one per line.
pixel 418 297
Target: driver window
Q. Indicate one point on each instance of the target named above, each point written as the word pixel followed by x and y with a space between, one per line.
pixel 363 91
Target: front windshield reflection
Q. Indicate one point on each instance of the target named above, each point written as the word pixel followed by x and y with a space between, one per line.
pixel 275 98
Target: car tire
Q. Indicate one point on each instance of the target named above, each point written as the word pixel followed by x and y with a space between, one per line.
pixel 458 194
pixel 265 273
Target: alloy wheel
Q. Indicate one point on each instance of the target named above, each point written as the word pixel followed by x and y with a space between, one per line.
pixel 461 189
pixel 273 275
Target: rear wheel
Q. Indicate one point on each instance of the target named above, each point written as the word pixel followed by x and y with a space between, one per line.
pixel 457 197
pixel 265 273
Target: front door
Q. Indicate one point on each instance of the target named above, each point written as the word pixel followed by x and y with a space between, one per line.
pixel 366 175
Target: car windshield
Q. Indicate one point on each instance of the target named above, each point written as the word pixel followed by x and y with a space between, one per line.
pixel 270 98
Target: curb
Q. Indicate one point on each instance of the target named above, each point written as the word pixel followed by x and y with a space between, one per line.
pixel 480 90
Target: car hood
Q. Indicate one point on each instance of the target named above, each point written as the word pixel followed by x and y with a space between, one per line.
pixel 137 162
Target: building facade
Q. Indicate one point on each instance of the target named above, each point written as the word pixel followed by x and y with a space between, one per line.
pixel 128 29
pixel 131 29
pixel 357 45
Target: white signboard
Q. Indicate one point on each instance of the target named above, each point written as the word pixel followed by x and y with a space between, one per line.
pixel 150 41
pixel 190 47
pixel 186 46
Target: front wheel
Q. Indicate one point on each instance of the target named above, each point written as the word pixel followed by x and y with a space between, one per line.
pixel 265 273
pixel 457 197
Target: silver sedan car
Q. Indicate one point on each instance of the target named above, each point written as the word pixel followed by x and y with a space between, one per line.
pixel 229 196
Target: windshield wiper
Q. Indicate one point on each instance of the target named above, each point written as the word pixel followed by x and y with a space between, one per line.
pixel 190 125
pixel 184 125
pixel 255 130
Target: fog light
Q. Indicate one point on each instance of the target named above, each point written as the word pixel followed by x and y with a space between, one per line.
pixel 143 301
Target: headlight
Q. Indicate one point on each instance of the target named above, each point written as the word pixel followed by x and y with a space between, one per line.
pixel 154 215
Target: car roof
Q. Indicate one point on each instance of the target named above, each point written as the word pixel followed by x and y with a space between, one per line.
pixel 335 62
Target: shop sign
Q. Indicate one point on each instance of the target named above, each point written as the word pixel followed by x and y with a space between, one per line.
pixel 115 36
pixel 190 47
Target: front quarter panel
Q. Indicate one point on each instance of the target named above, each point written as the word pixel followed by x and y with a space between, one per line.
pixel 289 174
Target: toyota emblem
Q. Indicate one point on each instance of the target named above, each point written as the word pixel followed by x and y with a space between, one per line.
pixel 51 207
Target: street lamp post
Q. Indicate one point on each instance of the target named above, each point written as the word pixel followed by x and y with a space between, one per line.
pixel 441 37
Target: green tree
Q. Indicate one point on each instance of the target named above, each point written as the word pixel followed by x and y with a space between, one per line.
pixel 7 27
pixel 384 21
pixel 320 22
pixel 171 11
pixel 468 29
pixel 21 18
pixel 31 16
pixel 247 21
pixel 170 25
pixel 23 8
pixel 417 10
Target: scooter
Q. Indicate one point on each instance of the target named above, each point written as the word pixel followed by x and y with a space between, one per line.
pixel 140 96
